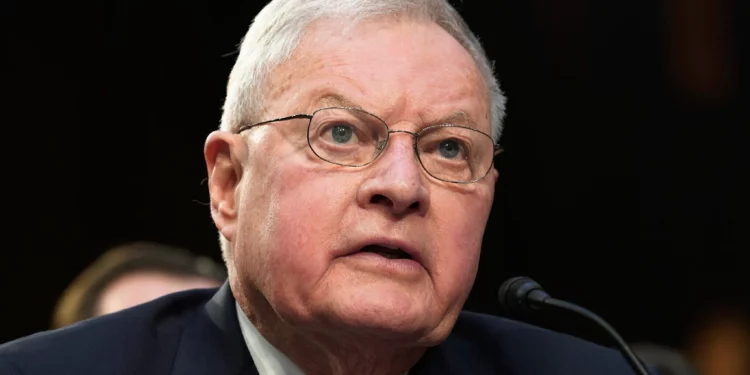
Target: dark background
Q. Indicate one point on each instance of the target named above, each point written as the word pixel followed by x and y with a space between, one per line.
pixel 620 189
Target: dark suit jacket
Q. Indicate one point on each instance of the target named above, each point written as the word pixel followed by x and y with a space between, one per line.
pixel 197 332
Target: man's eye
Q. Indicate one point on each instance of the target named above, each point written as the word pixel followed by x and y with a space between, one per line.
pixel 341 133
pixel 449 148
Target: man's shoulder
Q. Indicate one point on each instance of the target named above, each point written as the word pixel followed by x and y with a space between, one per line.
pixel 500 345
pixel 494 330
pixel 118 343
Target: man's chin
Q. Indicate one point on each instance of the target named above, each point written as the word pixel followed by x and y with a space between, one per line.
pixel 384 326
pixel 389 315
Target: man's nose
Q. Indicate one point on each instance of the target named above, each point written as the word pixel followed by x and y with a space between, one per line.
pixel 396 181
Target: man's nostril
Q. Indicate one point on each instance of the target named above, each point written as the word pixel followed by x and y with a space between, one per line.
pixel 379 198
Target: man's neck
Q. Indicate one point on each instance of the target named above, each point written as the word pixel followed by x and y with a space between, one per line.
pixel 328 353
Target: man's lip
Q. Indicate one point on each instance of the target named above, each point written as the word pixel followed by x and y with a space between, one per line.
pixel 391 243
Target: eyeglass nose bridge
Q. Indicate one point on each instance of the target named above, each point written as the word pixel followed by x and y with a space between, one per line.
pixel 381 145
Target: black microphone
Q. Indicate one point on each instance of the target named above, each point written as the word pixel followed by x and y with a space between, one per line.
pixel 520 295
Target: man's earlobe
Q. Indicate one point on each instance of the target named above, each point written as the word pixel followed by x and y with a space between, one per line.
pixel 223 153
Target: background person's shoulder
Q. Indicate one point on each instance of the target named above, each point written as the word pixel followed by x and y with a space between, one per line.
pixel 127 342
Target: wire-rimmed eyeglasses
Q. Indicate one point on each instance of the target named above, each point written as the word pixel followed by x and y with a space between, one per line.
pixel 352 137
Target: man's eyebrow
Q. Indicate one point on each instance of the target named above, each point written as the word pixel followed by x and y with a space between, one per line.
pixel 458 118
pixel 337 100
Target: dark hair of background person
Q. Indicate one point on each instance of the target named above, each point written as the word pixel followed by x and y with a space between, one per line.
pixel 79 300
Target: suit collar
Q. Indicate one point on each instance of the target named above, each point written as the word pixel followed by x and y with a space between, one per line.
pixel 212 342
pixel 449 357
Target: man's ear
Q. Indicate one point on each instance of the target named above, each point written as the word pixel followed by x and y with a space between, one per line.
pixel 224 153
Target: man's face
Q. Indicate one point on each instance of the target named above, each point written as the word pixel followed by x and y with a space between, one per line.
pixel 301 223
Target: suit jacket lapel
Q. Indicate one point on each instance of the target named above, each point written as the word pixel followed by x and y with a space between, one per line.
pixel 212 342
pixel 439 360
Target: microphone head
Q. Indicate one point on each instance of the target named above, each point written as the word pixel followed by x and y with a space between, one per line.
pixel 514 292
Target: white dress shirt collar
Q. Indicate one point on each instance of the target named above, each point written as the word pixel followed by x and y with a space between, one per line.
pixel 268 360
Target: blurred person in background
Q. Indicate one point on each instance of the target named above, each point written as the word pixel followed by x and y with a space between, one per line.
pixel 132 274
pixel 720 343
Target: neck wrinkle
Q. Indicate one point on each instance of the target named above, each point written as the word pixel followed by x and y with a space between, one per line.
pixel 326 354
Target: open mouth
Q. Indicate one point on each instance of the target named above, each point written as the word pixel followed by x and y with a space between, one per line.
pixel 386 252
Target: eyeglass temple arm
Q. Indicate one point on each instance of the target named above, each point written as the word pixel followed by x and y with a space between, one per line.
pixel 292 117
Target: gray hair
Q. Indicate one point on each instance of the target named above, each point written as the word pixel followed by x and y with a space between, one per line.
pixel 278 28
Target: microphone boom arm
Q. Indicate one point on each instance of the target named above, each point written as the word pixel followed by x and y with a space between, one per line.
pixel 629 355
pixel 520 294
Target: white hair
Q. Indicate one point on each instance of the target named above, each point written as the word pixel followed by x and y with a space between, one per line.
pixel 278 28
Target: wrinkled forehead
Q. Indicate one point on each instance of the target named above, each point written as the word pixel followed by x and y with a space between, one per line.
pixel 380 65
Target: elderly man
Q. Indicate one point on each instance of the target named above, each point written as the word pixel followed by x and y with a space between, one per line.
pixel 351 182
